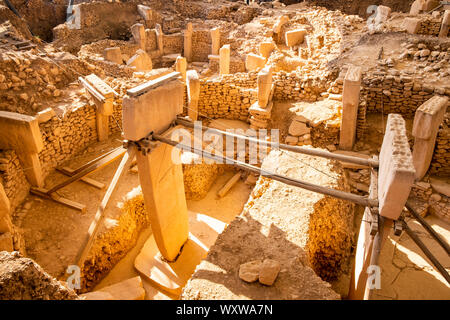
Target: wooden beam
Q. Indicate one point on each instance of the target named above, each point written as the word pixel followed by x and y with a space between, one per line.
pixel 70 172
pixel 69 203
pixel 100 214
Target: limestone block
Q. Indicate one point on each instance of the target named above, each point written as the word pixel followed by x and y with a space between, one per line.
pixel 383 14
pixel 426 124
pixel 440 185
pixel 131 289
pixel 139 36
pixel 266 48
pixel 445 26
pixel 97 295
pixel 113 55
pixel 254 62
pixel 145 12
pixel 153 110
pixel 412 25
pixel 291 140
pixel 396 170
pixel 264 86
pixel 6 242
pixel 350 102
pixel 295 37
pixel 249 272
pixel 141 61
pixel 215 41
pixel 224 61
pixel 181 66
pixel 268 271
pixel 298 129
pixel 261 113
pixel 45 115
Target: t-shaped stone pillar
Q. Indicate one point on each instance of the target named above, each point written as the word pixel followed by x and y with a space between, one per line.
pixel 427 120
pixel 152 107
pixel 350 103
pixel 266 48
pixel 215 41
pixel 21 133
pixel 224 60
pixel 139 36
pixel 193 91
pixel 396 170
pixel 181 66
pixel 188 42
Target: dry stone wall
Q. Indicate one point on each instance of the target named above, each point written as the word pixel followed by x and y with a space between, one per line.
pixel 13 178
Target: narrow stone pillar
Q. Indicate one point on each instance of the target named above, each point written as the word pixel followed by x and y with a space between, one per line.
pixel 277 28
pixel 445 26
pixel 264 86
pixel 181 66
pixel 215 41
pixel 188 42
pixel 159 38
pixel 193 91
pixel 427 120
pixel 224 61
pixel 104 108
pixel 21 133
pixel 350 102
pixel 162 186
pixel 396 170
pixel 145 12
pixel 5 218
pixel 139 36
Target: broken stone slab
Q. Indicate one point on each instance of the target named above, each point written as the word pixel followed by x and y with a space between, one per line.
pixel 113 54
pixel 254 62
pixel 440 185
pixel 249 272
pixel 281 21
pixel 131 289
pixel 141 61
pixel 298 129
pixel 268 271
pixel 295 37
pixel 45 115
pixel 181 66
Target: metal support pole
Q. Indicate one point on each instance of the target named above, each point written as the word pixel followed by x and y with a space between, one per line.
pixel 364 201
pixel 427 252
pixel 312 152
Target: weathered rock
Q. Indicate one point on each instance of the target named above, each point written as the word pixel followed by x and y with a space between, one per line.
pixel 268 271
pixel 249 271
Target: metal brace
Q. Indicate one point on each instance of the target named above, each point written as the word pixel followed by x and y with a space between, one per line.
pixel 398 227
pixel 145 145
pixel 374 223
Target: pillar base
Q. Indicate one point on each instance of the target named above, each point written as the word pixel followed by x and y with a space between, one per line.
pixel 167 276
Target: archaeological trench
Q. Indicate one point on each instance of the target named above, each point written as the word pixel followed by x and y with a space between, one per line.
pixel 335 113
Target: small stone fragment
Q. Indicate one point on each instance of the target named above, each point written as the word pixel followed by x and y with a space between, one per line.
pixel 268 271
pixel 249 272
